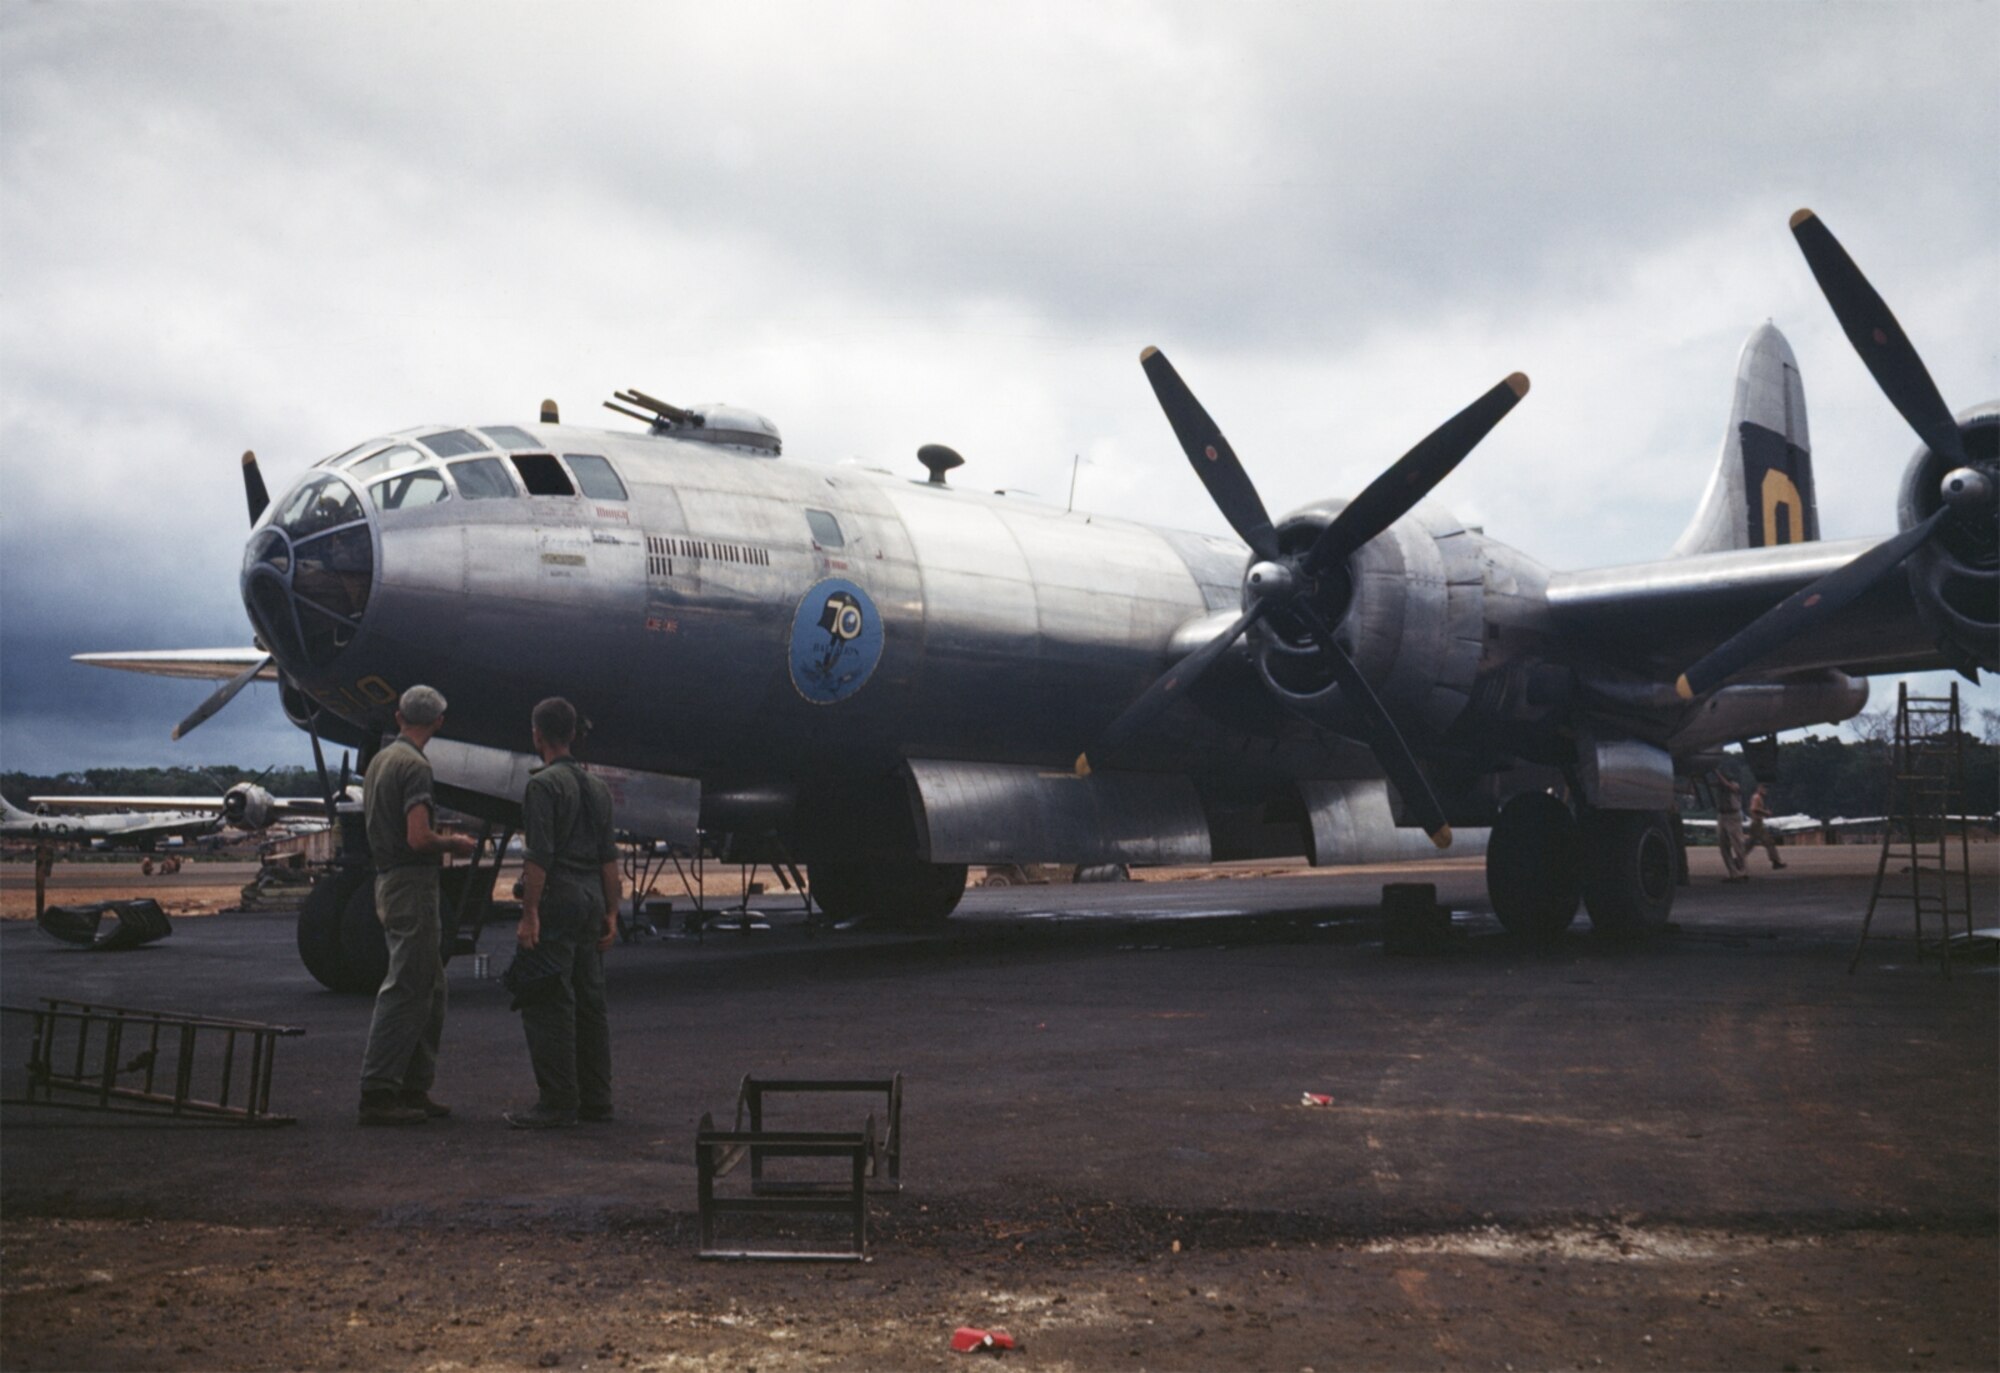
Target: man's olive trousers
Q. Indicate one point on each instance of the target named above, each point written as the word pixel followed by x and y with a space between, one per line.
pixel 409 1007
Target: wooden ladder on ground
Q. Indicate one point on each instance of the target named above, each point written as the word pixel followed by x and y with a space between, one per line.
pixel 1926 806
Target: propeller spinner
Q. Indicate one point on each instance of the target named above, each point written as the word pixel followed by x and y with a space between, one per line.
pixel 1967 493
pixel 1282 584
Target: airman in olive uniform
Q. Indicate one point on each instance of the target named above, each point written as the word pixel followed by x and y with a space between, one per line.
pixel 401 1060
pixel 569 909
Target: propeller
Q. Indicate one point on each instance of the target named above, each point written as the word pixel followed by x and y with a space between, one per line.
pixel 1280 582
pixel 259 499
pixel 1892 360
pixel 221 697
pixel 253 486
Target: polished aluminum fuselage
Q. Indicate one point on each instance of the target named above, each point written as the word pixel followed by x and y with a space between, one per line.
pixel 1012 631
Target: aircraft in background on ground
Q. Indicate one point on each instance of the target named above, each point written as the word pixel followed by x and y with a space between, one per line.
pixel 143 821
pixel 124 827
pixel 890 680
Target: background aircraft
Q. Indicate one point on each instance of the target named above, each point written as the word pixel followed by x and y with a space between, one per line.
pixel 244 805
pixel 143 820
pixel 890 679
pixel 120 828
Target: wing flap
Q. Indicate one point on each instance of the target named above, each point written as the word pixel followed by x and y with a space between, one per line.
pixel 1656 618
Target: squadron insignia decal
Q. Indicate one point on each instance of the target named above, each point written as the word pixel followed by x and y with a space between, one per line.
pixel 836 641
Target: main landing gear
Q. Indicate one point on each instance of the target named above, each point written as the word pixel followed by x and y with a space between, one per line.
pixel 1542 861
pixel 341 940
pixel 902 891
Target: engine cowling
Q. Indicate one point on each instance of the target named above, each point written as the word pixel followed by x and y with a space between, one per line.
pixel 1408 607
pixel 248 806
pixel 1955 575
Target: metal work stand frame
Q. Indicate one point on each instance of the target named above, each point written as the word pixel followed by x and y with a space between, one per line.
pixel 94 1084
pixel 719 1151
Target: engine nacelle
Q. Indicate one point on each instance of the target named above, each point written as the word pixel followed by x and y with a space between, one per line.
pixel 1408 608
pixel 1955 577
pixel 248 806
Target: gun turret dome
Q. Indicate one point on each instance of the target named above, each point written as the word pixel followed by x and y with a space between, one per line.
pixel 725 426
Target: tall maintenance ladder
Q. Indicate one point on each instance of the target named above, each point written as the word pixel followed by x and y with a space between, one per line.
pixel 1926 813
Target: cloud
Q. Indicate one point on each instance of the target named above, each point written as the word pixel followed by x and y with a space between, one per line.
pixel 286 227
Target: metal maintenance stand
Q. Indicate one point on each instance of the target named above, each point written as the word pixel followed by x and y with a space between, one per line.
pixel 1926 801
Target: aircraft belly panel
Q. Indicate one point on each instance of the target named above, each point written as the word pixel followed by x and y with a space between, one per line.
pixel 999 813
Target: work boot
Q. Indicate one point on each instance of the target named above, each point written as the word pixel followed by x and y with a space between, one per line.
pixel 540 1118
pixel 594 1113
pixel 386 1108
pixel 435 1110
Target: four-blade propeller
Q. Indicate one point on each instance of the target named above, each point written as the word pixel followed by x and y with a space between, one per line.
pixel 258 499
pixel 1891 358
pixel 1283 583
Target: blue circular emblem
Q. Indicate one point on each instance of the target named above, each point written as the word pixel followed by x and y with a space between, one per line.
pixel 836 641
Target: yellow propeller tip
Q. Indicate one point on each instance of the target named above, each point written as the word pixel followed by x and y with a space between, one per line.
pixel 1801 217
pixel 1443 837
pixel 1683 689
pixel 1083 765
pixel 1518 384
pixel 1148 353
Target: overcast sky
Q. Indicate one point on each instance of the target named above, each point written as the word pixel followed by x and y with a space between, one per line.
pixel 289 227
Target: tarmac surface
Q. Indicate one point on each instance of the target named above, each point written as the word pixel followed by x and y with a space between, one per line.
pixel 1113 1075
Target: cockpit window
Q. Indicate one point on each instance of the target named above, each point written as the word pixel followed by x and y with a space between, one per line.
pixel 826 529
pixel 481 479
pixel 407 490
pixel 347 453
pixel 388 460
pixel 543 475
pixel 507 436
pixel 320 505
pixel 453 443
pixel 595 476
pixel 308 575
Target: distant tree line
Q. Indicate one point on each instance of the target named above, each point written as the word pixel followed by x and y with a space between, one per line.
pixel 209 781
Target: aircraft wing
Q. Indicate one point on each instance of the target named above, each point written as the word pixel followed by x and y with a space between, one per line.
pixel 182 825
pixel 280 806
pixel 86 805
pixel 202 664
pixel 1656 618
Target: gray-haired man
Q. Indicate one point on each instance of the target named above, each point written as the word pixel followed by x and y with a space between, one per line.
pixel 401 1060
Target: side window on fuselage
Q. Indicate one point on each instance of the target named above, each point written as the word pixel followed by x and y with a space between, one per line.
pixel 595 475
pixel 825 529
pixel 542 475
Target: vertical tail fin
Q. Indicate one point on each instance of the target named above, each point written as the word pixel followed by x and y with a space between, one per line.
pixel 1761 493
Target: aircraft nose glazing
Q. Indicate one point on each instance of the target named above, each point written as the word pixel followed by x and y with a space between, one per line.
pixel 308 574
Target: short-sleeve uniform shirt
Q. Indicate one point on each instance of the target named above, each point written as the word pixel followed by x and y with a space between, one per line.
pixel 398 781
pixel 566 820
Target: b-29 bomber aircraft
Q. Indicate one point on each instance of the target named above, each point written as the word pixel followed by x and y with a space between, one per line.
pixel 890 679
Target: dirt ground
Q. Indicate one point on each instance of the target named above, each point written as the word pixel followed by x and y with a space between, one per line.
pixel 210 888
pixel 179 1295
pixel 1723 1151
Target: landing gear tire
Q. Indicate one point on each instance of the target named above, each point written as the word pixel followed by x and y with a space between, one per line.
pixel 364 949
pixel 1628 878
pixel 909 893
pixel 319 927
pixel 1534 868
